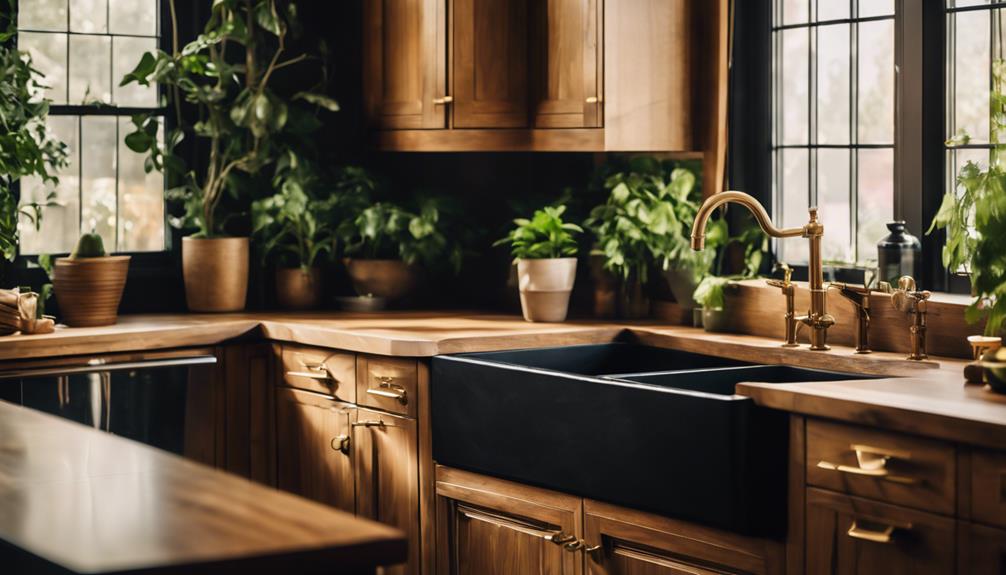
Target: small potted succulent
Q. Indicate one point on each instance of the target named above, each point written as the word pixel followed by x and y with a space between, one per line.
pixel 387 246
pixel 544 249
pixel 88 284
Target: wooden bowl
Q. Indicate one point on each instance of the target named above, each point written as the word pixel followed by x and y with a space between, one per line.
pixel 89 289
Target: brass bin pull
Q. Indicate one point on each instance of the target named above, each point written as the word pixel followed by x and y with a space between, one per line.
pixel 340 443
pixel 872 463
pixel 385 388
pixel 884 535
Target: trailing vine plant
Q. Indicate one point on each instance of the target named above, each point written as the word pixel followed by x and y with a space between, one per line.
pixel 228 75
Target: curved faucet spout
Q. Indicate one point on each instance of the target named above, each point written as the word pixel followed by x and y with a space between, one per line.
pixel 746 200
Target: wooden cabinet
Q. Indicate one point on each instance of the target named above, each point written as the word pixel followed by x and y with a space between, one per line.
pixel 567 63
pixel 851 535
pixel 488 525
pixel 405 63
pixel 320 370
pixel 981 549
pixel 388 383
pixel 387 476
pixel 315 458
pixel 490 39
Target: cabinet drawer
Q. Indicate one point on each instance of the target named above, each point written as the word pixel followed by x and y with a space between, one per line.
pixel 891 467
pixel 387 383
pixel 852 535
pixel 988 487
pixel 320 370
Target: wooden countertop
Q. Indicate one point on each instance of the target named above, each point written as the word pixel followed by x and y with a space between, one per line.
pixel 75 499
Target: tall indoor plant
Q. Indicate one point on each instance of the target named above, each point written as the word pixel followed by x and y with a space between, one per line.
pixel 26 147
pixel 228 75
pixel 974 218
pixel 544 249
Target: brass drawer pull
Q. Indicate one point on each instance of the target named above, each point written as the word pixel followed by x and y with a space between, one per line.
pixel 592 100
pixel 369 423
pixel 872 463
pixel 874 473
pixel 340 443
pixel 560 538
pixel 443 101
pixel 314 371
pixel 390 390
pixel 884 535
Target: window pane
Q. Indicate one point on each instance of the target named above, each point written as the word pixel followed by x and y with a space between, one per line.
pixel 793 199
pixel 794 88
pixel 126 54
pixel 972 56
pixel 832 10
pixel 876 199
pixel 48 55
pixel 876 82
pixel 795 11
pixel 869 8
pixel 42 15
pixel 90 69
pixel 833 203
pixel 97 192
pixel 833 84
pixel 89 16
pixel 141 200
pixel 60 222
pixel 135 17
pixel 960 3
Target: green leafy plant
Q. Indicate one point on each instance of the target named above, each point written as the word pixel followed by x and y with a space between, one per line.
pixel 545 235
pixel 974 217
pixel 386 230
pixel 646 221
pixel 228 74
pixel 754 244
pixel 297 225
pixel 26 147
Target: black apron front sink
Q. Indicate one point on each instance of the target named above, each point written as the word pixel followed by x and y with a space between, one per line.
pixel 675 441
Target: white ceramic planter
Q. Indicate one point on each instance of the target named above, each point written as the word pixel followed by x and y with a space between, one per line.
pixel 544 286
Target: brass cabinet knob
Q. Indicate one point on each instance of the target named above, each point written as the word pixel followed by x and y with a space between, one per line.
pixel 340 443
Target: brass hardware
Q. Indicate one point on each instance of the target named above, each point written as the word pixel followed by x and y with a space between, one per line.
pixel 340 443
pixel 385 388
pixel 908 299
pixel 860 298
pixel 592 100
pixel 788 290
pixel 883 535
pixel 369 423
pixel 443 101
pixel 573 546
pixel 560 538
pixel 314 371
pixel 818 318
pixel 592 548
pixel 872 463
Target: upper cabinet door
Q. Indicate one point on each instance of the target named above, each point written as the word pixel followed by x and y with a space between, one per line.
pixel 490 63
pixel 405 63
pixel 567 64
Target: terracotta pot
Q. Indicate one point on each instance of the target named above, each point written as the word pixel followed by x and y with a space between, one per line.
pixel 215 271
pixel 297 288
pixel 544 286
pixel 89 289
pixel 390 279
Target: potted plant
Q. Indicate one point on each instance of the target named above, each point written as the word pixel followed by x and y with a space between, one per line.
pixel 387 245
pixel 228 73
pixel 26 146
pixel 88 284
pixel 544 249
pixel 644 225
pixel 710 293
pixel 974 218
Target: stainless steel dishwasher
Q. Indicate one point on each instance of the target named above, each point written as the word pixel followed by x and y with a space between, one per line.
pixel 157 400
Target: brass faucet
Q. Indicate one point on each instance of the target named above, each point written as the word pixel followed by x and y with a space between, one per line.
pixel 817 318
pixel 908 299
pixel 860 298
pixel 788 290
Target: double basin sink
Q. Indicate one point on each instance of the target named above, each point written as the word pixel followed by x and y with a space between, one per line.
pixel 648 428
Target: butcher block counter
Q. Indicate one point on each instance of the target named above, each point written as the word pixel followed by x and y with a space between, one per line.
pixel 76 500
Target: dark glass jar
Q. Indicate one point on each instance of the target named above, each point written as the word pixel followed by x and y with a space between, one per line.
pixel 898 254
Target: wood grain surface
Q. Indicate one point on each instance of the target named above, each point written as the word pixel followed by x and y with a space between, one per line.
pixel 73 498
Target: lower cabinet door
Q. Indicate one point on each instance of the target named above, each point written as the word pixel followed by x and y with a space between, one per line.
pixel 620 541
pixel 982 549
pixel 387 476
pixel 850 535
pixel 488 526
pixel 313 448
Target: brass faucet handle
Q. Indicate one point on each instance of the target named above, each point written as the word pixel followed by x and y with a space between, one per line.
pixel 784 283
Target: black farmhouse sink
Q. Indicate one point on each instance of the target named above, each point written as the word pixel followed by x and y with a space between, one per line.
pixel 652 429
